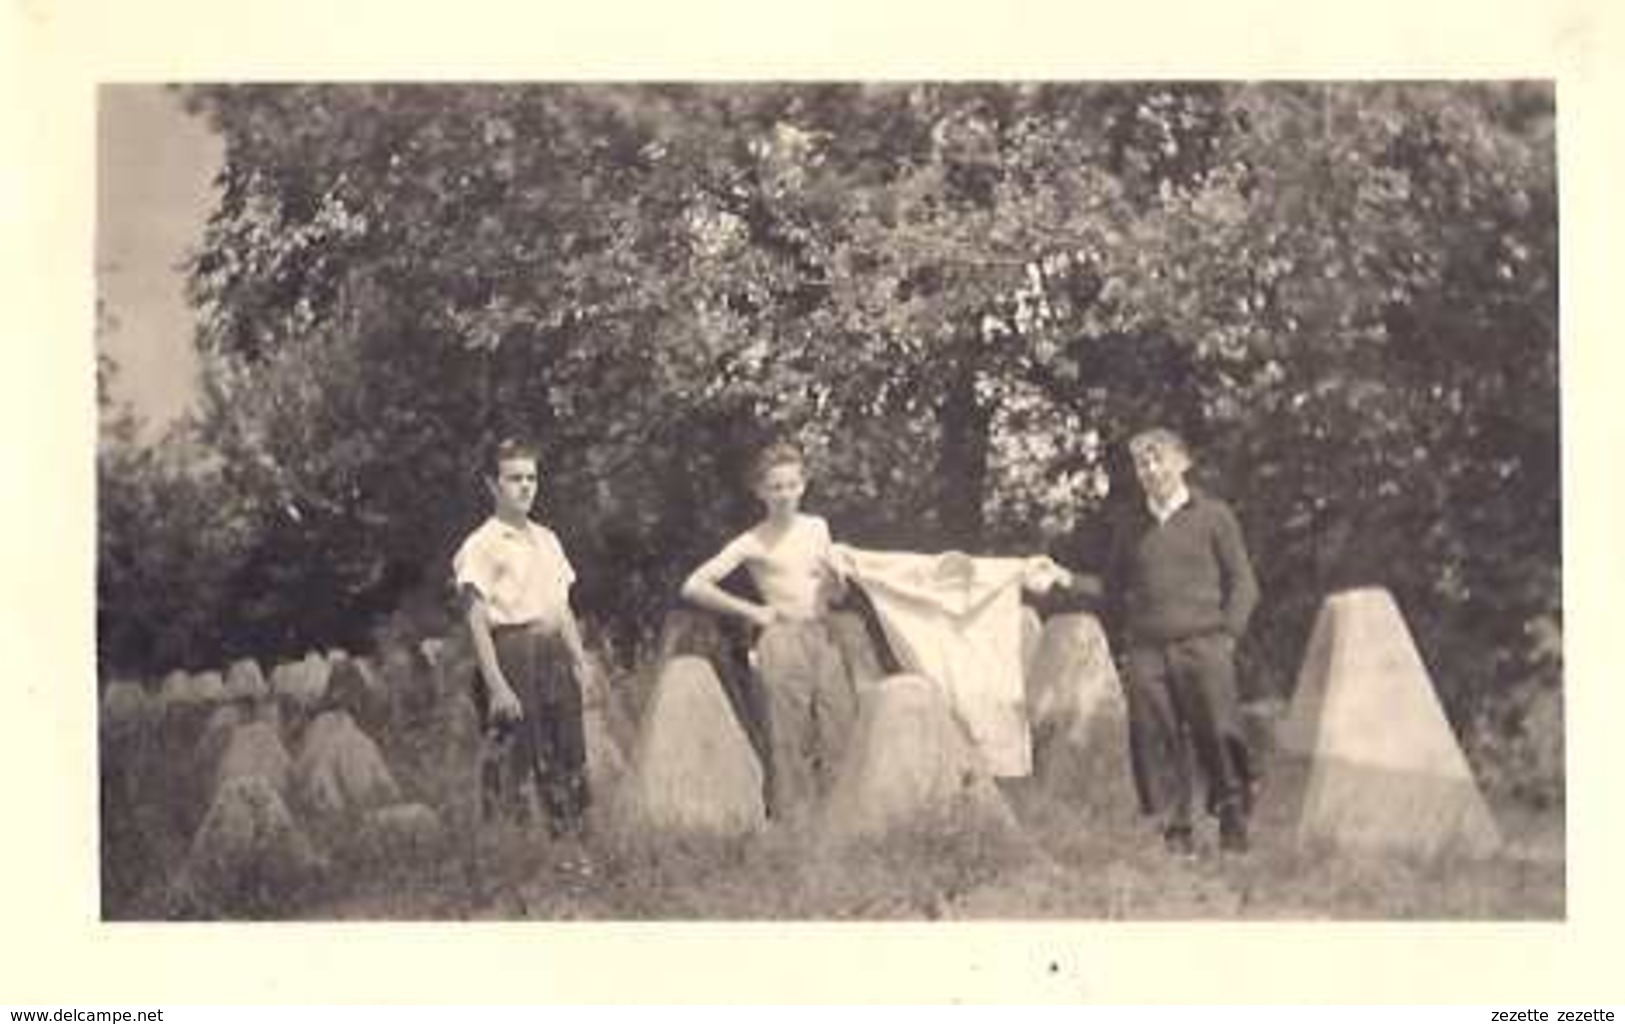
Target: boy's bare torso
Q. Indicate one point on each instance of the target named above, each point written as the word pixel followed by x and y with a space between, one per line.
pixel 790 564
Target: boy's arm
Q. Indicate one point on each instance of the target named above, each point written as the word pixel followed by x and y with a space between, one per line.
pixel 504 704
pixel 1240 584
pixel 570 629
pixel 1054 589
pixel 702 588
pixel 1114 577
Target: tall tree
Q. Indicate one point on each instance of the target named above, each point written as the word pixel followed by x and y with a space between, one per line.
pixel 961 297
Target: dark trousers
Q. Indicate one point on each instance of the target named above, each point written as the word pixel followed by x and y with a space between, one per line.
pixel 810 708
pixel 796 706
pixel 547 746
pixel 1182 708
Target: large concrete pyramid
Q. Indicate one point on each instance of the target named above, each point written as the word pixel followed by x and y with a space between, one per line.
pixel 911 765
pixel 1072 681
pixel 1079 716
pixel 692 768
pixel 340 771
pixel 1385 769
pixel 249 845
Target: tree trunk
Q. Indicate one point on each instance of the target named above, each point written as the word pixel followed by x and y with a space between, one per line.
pixel 966 426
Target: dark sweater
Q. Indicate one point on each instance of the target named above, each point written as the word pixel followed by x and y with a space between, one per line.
pixel 1187 577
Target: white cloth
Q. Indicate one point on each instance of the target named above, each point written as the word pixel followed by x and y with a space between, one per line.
pixel 521 573
pixel 957 620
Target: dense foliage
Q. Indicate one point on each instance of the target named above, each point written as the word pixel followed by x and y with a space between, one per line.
pixel 958 297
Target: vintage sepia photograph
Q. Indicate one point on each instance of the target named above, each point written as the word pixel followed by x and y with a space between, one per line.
pixel 803 501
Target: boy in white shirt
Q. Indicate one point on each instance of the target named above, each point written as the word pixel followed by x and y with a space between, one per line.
pixel 515 580
pixel 809 701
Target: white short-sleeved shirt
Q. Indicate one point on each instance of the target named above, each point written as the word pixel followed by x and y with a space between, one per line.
pixel 520 572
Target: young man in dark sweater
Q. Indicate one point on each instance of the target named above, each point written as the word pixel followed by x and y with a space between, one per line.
pixel 1179 589
pixel 1183 589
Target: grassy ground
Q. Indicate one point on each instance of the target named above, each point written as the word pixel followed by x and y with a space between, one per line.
pixel 1066 866
pixel 1080 853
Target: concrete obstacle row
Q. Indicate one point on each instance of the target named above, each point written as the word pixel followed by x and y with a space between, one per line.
pixel 254 832
pixel 686 766
pixel 907 762
pixel 249 842
pixel 308 685
pixel 183 688
pixel 1384 769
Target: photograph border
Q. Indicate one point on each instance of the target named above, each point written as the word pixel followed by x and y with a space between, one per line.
pixel 59 950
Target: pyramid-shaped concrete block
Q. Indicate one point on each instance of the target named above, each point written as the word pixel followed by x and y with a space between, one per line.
pixel 605 761
pixel 208 687
pixel 604 707
pixel 1386 771
pixel 400 831
pixel 244 681
pixel 175 689
pixel 1073 680
pixel 301 684
pixel 318 671
pixel 248 839
pixel 181 689
pixel 215 737
pixel 1079 717
pixel 352 687
pixel 911 765
pixel 254 750
pixel 126 706
pixel 340 770
pixel 692 768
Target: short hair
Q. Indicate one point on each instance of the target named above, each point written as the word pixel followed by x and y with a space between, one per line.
pixel 779 453
pixel 1159 437
pixel 510 448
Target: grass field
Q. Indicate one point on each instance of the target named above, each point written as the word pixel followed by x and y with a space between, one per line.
pixel 1068 867
pixel 1080 853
